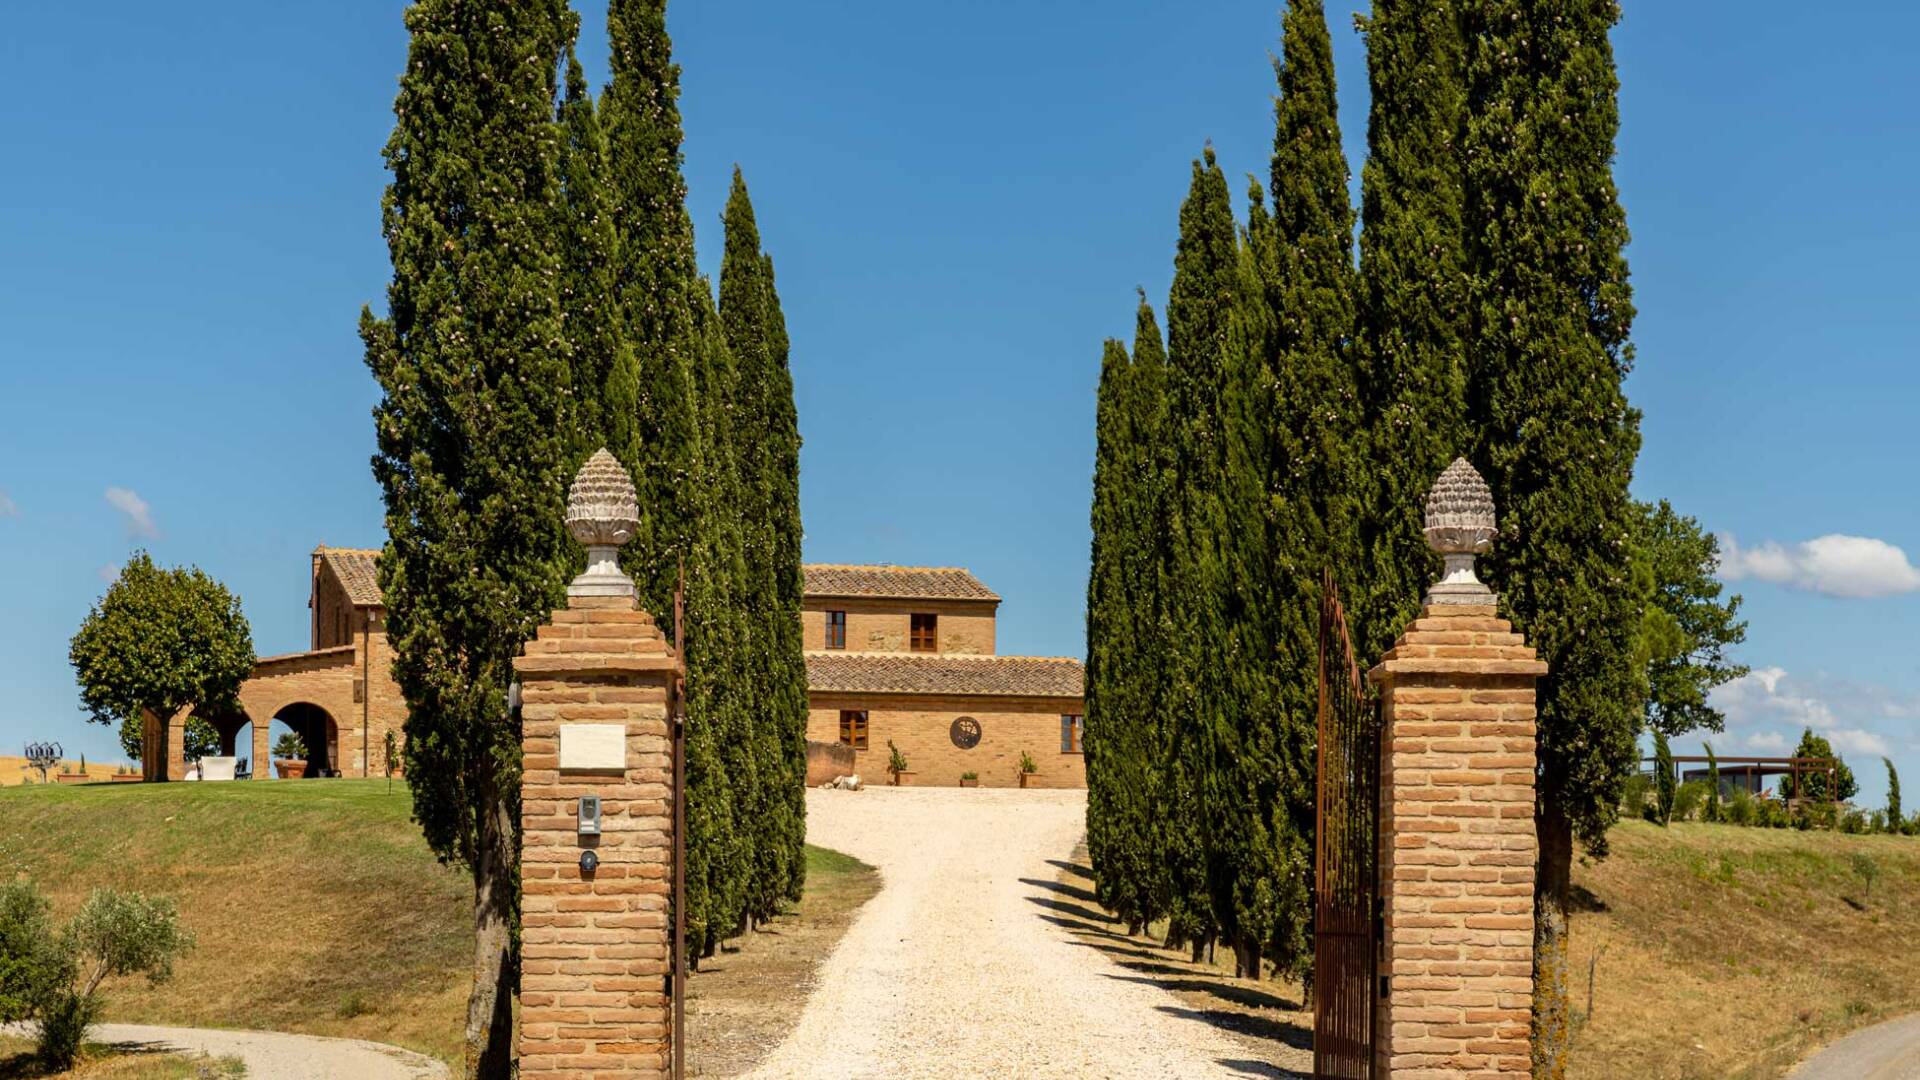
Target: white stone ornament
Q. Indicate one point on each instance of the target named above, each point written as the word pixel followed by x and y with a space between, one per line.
pixel 603 512
pixel 1459 525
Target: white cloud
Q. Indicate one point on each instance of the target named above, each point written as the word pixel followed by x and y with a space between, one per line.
pixel 139 514
pixel 8 508
pixel 109 573
pixel 1855 567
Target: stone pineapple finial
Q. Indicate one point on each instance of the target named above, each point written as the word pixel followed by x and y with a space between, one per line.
pixel 603 512
pixel 1459 526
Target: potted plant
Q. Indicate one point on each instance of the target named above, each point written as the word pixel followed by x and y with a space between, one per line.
pixel 77 776
pixel 1027 768
pixel 969 779
pixel 126 774
pixel 290 756
pixel 897 765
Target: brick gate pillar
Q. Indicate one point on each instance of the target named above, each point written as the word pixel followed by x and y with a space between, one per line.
pixel 1457 839
pixel 595 920
pixel 163 745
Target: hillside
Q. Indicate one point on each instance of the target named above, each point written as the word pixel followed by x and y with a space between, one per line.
pixel 14 771
pixel 319 909
pixel 1732 952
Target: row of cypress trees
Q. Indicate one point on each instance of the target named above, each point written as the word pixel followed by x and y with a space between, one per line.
pixel 1305 403
pixel 545 301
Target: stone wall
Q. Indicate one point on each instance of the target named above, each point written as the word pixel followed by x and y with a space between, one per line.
pixel 595 943
pixel 827 760
pixel 922 727
pixel 1457 846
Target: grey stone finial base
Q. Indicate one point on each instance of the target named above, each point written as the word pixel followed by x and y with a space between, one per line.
pixel 1458 584
pixel 603 576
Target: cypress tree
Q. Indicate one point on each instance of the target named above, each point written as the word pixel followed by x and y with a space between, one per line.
pixel 1413 300
pixel 1108 721
pixel 473 451
pixel 1314 430
pixel 1146 883
pixel 604 382
pixel 1893 797
pixel 767 446
pixel 662 305
pixel 1664 784
pixel 1556 439
pixel 1712 812
pixel 1217 671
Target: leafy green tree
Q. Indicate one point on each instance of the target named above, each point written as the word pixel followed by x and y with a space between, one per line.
pixel 161 640
pixel 1813 784
pixel 767 447
pixel 1414 331
pixel 1894 820
pixel 1688 627
pixel 474 453
pixel 1315 477
pixel 1556 439
pixel 1663 778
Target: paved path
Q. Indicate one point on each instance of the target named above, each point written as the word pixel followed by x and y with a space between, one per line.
pixel 955 970
pixel 273 1055
pixel 1889 1051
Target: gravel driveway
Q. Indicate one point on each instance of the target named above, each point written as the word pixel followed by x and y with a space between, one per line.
pixel 954 970
pixel 273 1055
pixel 1889 1051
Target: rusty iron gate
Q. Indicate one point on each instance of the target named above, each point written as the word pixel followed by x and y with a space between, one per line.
pixel 1346 855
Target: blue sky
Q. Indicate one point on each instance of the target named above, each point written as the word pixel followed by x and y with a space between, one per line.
pixel 959 209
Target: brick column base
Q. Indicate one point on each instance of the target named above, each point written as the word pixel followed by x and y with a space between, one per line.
pixel 1457 846
pixel 594 943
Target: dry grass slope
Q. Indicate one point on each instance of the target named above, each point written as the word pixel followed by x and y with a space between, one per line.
pixel 1733 952
pixel 319 909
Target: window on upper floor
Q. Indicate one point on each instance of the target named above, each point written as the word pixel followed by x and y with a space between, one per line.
pixel 853 728
pixel 836 629
pixel 924 633
pixel 1070 732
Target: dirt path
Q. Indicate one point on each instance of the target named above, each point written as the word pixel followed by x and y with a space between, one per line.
pixel 1889 1051
pixel 273 1055
pixel 963 966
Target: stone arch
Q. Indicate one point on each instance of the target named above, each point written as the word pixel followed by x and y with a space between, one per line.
pixel 318 729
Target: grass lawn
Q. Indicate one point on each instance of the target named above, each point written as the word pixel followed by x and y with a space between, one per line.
pixel 319 909
pixel 99 1062
pixel 1732 952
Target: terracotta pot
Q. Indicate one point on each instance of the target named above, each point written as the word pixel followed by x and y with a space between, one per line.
pixel 902 779
pixel 964 782
pixel 289 769
pixel 71 777
pixel 1024 777
pixel 127 778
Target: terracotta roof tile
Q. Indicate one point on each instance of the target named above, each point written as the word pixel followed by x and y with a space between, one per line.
pixel 354 567
pixel 896 582
pixel 908 673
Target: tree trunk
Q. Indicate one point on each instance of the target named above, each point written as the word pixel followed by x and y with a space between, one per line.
pixel 1246 959
pixel 1552 886
pixel 1199 949
pixel 495 978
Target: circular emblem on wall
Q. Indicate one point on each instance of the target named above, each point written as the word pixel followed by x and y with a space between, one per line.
pixel 966 733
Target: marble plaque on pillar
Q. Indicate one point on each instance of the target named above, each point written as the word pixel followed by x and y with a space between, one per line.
pixel 594 747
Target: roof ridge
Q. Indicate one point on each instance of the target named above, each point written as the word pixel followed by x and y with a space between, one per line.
pixel 326 549
pixel 881 566
pixel 968 657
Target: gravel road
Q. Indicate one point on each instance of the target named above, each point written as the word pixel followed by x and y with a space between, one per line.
pixel 1889 1051
pixel 273 1055
pixel 953 969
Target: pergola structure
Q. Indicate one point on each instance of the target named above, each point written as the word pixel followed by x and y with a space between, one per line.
pixel 1751 771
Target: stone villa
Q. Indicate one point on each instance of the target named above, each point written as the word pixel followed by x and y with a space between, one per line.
pixel 893 653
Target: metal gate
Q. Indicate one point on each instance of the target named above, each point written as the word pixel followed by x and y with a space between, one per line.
pixel 1346 855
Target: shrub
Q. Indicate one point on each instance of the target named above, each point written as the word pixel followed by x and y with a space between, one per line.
pixel 291 747
pixel 1866 870
pixel 33 966
pixel 1739 808
pixel 1633 797
pixel 1854 823
pixel 896 761
pixel 114 933
pixel 63 1027
pixel 1027 764
pixel 1770 813
pixel 1688 798
pixel 969 776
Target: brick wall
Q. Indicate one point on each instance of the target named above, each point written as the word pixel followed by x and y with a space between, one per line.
pixel 1457 846
pixel 965 626
pixel 594 945
pixel 922 727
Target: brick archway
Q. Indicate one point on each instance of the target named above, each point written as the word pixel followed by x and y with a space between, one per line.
pixel 317 728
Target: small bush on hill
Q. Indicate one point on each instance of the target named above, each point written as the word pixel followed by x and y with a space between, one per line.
pixel 1688 799
pixel 1740 808
pixel 1633 797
